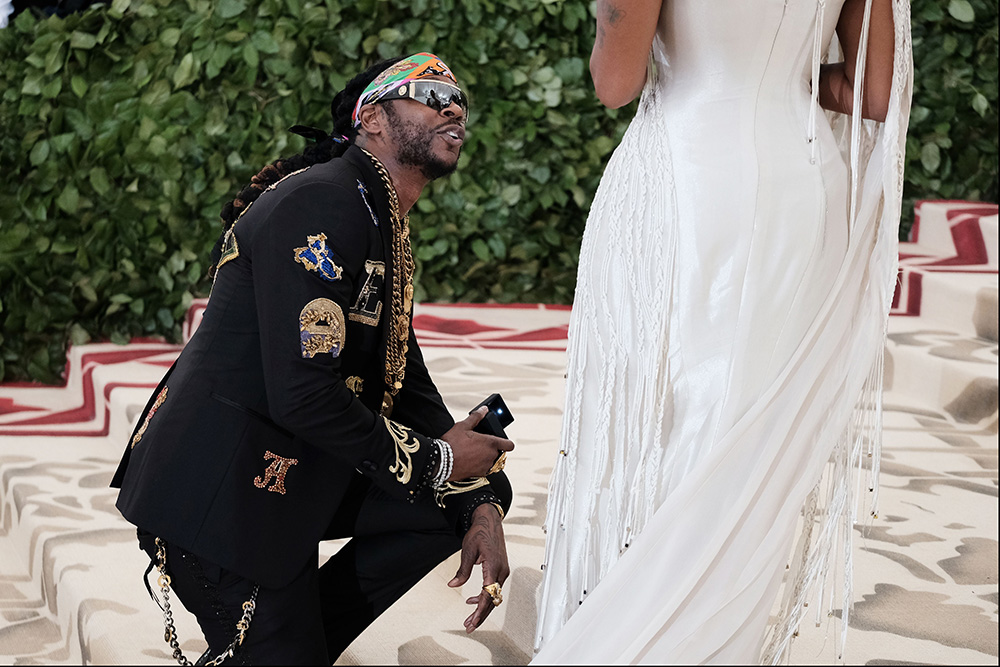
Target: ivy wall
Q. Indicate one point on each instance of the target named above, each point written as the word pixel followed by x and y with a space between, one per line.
pixel 125 128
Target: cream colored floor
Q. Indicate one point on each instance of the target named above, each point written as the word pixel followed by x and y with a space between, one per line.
pixel 925 586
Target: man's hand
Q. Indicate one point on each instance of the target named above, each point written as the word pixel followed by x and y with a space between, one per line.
pixel 474 452
pixel 483 544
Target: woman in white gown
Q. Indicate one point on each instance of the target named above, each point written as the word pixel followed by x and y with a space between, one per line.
pixel 725 344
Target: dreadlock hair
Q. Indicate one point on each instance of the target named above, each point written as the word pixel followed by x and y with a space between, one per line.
pixel 325 148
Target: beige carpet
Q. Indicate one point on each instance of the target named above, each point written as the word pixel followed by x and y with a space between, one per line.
pixel 926 569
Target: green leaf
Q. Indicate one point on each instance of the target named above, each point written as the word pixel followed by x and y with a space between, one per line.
pixel 350 38
pixel 119 7
pixel 39 153
pixel 79 85
pixel 176 263
pixel 53 61
pixel 322 58
pixel 82 40
pixel 250 55
pixel 930 157
pixel 980 104
pixel 541 173
pixel 165 318
pixel 88 292
pixel 264 43
pixel 32 85
pixel 186 71
pixel 69 199
pixel 78 335
pixel 99 180
pixel 63 247
pixel 228 9
pixel 511 194
pixel 11 239
pixel 52 88
pixel 481 250
pixel 170 37
pixel 961 10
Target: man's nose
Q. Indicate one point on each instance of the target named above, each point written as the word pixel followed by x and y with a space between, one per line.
pixel 454 111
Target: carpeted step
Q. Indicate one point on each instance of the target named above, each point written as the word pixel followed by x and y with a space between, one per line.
pixel 71 580
pixel 942 370
pixel 70 588
pixel 948 269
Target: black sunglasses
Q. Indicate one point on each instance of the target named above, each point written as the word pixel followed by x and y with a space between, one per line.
pixel 438 95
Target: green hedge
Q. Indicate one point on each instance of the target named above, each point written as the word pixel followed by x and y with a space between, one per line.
pixel 951 147
pixel 125 128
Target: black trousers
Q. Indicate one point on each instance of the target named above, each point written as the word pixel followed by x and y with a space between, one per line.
pixel 313 619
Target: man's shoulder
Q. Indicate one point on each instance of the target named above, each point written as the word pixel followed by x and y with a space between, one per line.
pixel 326 189
pixel 333 178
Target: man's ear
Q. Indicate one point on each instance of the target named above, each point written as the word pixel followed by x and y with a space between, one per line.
pixel 372 120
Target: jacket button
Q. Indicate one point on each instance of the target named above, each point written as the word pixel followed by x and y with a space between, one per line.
pixel 371 467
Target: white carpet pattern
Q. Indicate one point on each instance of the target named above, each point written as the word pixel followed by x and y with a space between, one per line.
pixel 925 571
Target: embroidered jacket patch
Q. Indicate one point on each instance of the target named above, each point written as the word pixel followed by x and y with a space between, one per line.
pixel 230 248
pixel 276 470
pixel 316 256
pixel 368 308
pixel 321 328
pixel 160 398
pixel 355 384
pixel 364 197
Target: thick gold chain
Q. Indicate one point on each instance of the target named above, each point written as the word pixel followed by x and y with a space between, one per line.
pixel 402 292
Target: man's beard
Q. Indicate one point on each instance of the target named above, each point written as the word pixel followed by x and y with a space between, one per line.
pixel 413 144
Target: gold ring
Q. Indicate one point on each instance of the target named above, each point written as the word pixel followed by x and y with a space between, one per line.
pixel 499 463
pixel 494 591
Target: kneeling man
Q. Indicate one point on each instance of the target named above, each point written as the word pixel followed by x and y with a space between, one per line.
pixel 301 410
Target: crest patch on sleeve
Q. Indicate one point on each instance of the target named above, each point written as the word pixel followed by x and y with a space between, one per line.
pixel 368 308
pixel 321 328
pixel 230 248
pixel 316 256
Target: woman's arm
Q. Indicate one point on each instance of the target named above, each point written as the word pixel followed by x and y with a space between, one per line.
pixel 625 30
pixel 836 81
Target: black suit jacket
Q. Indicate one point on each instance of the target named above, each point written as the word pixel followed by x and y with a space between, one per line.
pixel 246 448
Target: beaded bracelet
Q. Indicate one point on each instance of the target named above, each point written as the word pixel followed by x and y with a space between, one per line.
pixel 447 464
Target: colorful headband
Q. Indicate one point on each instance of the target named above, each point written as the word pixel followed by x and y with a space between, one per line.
pixel 414 67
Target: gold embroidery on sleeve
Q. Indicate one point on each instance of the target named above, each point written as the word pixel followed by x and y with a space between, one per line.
pixel 461 486
pixel 406 445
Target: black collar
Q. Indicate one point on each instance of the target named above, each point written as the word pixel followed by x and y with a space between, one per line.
pixel 376 187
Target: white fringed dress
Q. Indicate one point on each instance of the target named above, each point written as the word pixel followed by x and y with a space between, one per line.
pixel 725 345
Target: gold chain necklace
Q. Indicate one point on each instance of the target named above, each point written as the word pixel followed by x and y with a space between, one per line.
pixel 402 293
